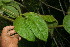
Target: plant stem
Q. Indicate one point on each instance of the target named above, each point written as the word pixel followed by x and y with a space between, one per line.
pixel 5 17
pixel 55 26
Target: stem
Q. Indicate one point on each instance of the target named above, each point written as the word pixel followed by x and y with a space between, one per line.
pixel 5 17
pixel 52 7
pixel 55 26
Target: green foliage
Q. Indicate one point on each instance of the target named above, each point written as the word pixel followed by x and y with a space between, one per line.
pixel 15 5
pixel 23 29
pixel 66 23
pixel 1 3
pixel 48 18
pixel 40 30
pixel 10 9
pixel 6 1
pixel 51 21
pixel 31 24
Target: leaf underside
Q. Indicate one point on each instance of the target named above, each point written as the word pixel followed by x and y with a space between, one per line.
pixel 10 11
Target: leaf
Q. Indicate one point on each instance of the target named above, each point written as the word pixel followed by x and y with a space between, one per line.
pixel 1 3
pixel 23 29
pixel 31 25
pixel 16 6
pixel 41 28
pixel 51 21
pixel 6 1
pixel 10 11
pixel 66 23
pixel 48 18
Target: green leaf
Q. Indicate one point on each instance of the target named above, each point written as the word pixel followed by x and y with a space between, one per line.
pixel 10 11
pixel 31 25
pixel 48 18
pixel 6 1
pixel 40 26
pixel 51 21
pixel 23 29
pixel 1 3
pixel 16 6
pixel 66 23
